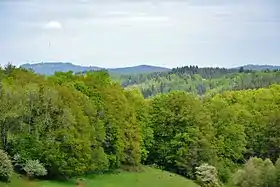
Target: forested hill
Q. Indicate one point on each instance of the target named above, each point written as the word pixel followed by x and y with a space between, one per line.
pixel 200 81
pixel 152 80
pixel 49 68
pixel 260 67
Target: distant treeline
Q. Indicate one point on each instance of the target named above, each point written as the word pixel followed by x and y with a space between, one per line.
pixel 201 81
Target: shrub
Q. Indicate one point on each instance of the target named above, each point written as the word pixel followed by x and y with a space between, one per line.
pixel 207 176
pixel 269 174
pixel 277 172
pixel 6 167
pixel 256 172
pixel 17 160
pixel 34 168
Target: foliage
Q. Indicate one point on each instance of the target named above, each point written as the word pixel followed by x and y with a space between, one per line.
pixel 207 176
pixel 256 172
pixel 34 168
pixel 277 172
pixel 182 133
pixel 201 81
pixel 87 123
pixel 6 167
pixel 141 108
pixel 71 124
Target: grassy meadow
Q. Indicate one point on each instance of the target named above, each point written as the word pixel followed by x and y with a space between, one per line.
pixel 148 177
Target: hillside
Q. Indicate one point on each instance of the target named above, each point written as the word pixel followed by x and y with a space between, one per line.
pixel 260 67
pixel 199 81
pixel 152 80
pixel 49 68
pixel 138 69
pixel 150 176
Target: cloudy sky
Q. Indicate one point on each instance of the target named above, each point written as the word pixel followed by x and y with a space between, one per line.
pixel 112 33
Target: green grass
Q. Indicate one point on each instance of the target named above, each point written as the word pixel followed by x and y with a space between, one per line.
pixel 149 177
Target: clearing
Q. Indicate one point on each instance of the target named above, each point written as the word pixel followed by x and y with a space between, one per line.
pixel 149 177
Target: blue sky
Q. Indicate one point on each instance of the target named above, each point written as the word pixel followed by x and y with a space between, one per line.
pixel 112 33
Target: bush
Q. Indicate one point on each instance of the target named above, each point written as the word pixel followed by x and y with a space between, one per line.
pixel 34 168
pixel 269 174
pixel 207 176
pixel 257 172
pixel 17 162
pixel 6 167
pixel 277 172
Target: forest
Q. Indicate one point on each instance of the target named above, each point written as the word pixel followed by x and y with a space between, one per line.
pixel 200 81
pixel 66 125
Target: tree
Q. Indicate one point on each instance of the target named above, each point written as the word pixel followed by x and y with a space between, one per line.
pixel 182 133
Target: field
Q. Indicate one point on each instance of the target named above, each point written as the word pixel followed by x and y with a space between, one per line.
pixel 149 177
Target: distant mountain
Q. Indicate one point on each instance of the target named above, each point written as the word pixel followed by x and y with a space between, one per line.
pixel 260 67
pixel 138 69
pixel 49 68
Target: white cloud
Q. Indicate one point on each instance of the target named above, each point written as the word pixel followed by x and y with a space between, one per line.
pixel 53 25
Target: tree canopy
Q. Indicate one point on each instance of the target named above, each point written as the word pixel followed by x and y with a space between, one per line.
pixel 77 124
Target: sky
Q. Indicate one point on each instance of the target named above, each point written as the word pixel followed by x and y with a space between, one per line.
pixel 118 33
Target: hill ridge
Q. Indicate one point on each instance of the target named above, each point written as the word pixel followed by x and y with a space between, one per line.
pixel 49 68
